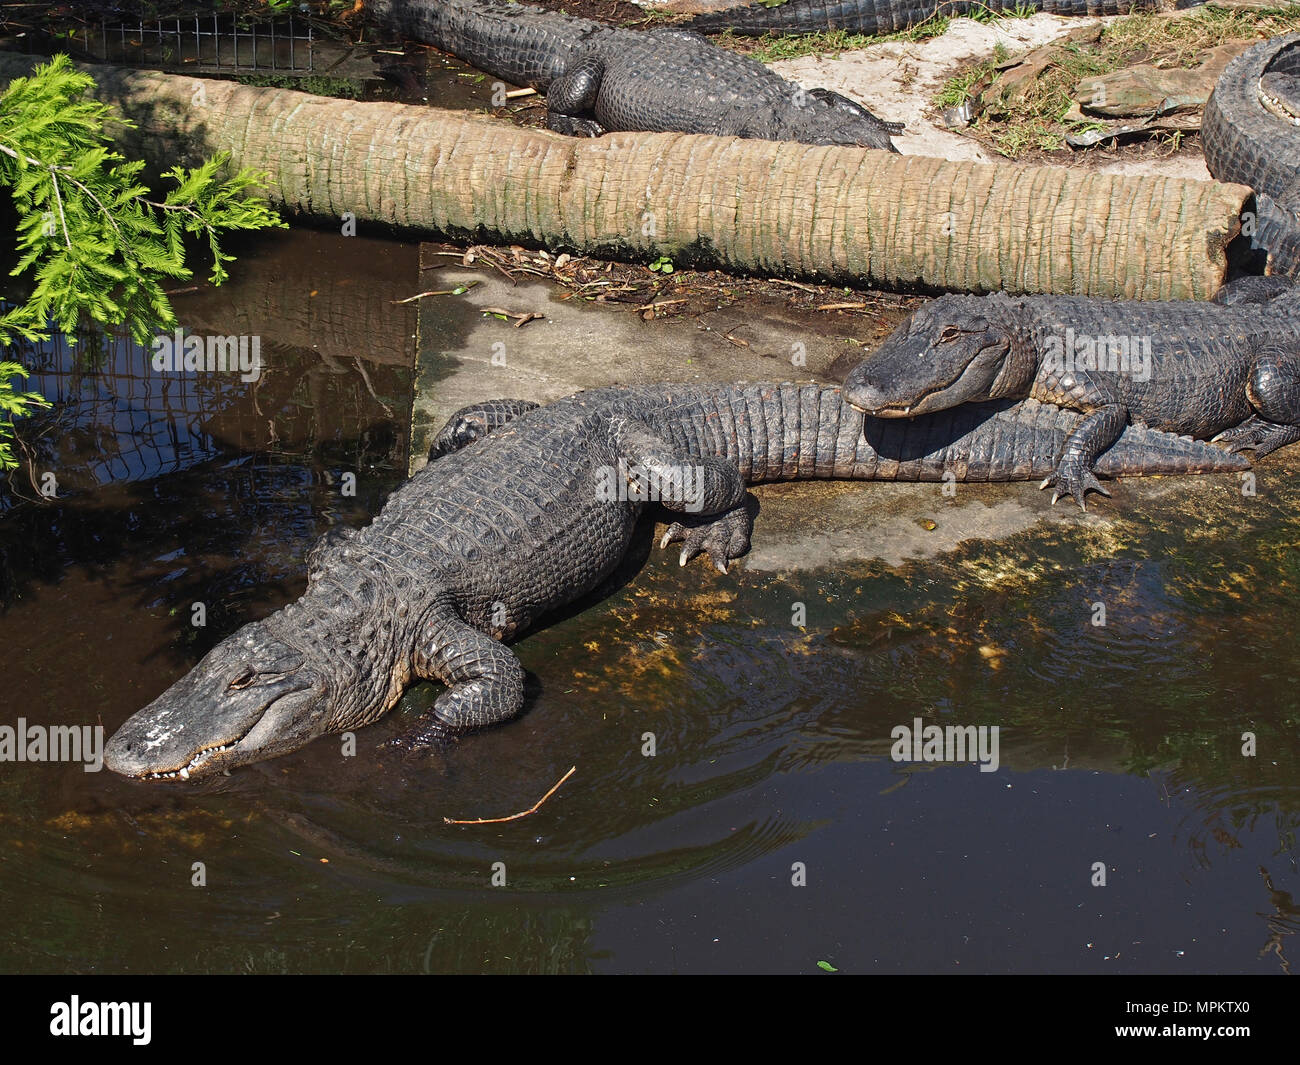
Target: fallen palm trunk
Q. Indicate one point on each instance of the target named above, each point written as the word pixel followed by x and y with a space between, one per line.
pixel 830 213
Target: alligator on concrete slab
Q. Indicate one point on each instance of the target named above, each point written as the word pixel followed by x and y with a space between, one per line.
pixel 890 16
pixel 528 508
pixel 600 78
pixel 1229 369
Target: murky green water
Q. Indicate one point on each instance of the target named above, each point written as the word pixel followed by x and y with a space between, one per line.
pixel 1120 744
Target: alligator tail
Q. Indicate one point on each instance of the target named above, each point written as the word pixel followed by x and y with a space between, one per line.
pixel 889 16
pixel 816 16
pixel 522 44
pixel 805 432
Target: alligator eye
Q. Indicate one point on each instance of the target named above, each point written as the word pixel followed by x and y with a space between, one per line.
pixel 950 332
pixel 243 681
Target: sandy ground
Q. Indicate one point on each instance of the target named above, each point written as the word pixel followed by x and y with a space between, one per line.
pixel 898 79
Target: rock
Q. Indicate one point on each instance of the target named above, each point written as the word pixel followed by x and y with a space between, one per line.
pixel 1146 91
pixel 1018 75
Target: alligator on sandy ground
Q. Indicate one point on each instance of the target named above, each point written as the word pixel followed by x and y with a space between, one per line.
pixel 890 16
pixel 600 78
pixel 1227 369
pixel 525 509
pixel 1251 134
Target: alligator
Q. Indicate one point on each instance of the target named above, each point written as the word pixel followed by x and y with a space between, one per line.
pixel 600 78
pixel 889 16
pixel 523 509
pixel 1228 367
pixel 1250 135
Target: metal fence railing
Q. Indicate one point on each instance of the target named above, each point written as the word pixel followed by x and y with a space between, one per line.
pixel 208 44
pixel 212 44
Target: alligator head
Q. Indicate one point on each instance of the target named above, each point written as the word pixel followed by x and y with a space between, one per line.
pixel 317 666
pixel 955 349
pixel 251 697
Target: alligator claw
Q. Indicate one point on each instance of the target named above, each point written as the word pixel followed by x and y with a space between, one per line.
pixel 691 550
pixel 1075 481
pixel 722 539
pixel 1257 435
pixel 429 734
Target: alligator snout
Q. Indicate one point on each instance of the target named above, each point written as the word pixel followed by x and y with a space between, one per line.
pixel 864 393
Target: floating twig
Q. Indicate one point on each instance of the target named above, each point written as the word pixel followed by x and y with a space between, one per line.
pixel 521 318
pixel 514 817
pixel 459 290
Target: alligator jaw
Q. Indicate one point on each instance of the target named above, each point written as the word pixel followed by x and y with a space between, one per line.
pixel 230 710
pixel 882 412
pixel 184 772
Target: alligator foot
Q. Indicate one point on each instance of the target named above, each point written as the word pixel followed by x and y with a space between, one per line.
pixel 1258 435
pixel 475 422
pixel 1073 479
pixel 723 538
pixel 429 734
pixel 574 127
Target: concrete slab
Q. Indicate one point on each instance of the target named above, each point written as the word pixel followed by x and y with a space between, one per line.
pixel 466 356
pixel 898 79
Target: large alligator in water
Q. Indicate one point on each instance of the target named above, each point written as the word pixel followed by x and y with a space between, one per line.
pixel 599 78
pixel 1230 368
pixel 889 16
pixel 528 508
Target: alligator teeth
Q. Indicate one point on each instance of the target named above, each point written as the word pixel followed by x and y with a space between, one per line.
pixel 1279 109
pixel 184 771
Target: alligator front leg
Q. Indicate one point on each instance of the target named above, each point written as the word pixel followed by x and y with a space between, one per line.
pixel 485 682
pixel 475 422
pixel 1254 290
pixel 572 97
pixel 1094 434
pixel 688 484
